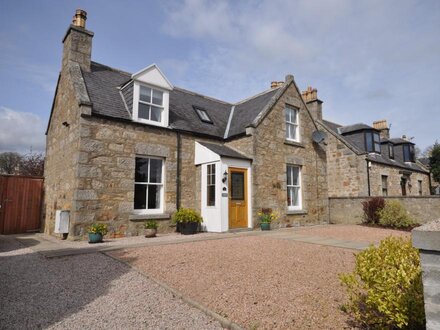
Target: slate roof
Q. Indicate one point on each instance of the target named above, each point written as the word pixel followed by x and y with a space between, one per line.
pixel 111 93
pixel 223 151
pixel 356 143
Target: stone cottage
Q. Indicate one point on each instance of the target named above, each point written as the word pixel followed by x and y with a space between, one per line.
pixel 123 148
pixel 364 161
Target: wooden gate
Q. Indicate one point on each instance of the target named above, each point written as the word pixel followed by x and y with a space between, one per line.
pixel 20 204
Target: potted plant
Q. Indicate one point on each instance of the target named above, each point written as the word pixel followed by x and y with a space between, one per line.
pixel 96 232
pixel 187 220
pixel 266 216
pixel 150 228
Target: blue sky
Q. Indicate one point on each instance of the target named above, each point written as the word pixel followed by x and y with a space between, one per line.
pixel 369 60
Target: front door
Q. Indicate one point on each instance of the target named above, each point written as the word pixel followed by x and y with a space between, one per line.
pixel 238 208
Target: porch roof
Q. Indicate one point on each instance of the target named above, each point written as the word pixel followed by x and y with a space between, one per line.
pixel 223 150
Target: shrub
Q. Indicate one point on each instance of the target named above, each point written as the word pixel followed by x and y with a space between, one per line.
pixel 187 215
pixel 98 228
pixel 385 290
pixel 267 216
pixel 395 215
pixel 371 208
pixel 151 224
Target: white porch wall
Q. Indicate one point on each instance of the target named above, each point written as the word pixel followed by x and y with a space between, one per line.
pixel 212 216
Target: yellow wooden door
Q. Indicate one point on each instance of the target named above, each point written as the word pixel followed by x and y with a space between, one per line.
pixel 238 208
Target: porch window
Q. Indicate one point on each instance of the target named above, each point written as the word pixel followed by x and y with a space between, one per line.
pixel 210 182
pixel 148 186
pixel 384 185
pixel 294 187
pixel 291 117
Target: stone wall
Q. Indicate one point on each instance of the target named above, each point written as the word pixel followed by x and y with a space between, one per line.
pixel 62 143
pixel 348 210
pixel 272 154
pixel 394 176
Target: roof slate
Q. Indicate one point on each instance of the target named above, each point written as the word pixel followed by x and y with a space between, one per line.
pixel 104 87
pixel 223 151
pixel 353 128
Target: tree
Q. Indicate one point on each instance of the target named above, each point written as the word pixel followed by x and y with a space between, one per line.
pixel 32 164
pixel 10 162
pixel 434 161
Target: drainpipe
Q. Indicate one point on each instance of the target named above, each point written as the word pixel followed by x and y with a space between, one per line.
pixel 179 147
pixel 368 177
pixel 430 187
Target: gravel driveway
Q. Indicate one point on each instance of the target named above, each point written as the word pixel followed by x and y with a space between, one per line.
pixel 89 291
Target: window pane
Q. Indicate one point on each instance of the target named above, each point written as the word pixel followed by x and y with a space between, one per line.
pixel 141 172
pixel 143 111
pixel 377 147
pixel 376 137
pixel 203 115
pixel 287 114
pixel 294 116
pixel 140 196
pixel 156 114
pixel 155 170
pixel 237 186
pixel 369 141
pixel 154 196
pixel 145 94
pixel 289 175
pixel 211 196
pixel 406 153
pixel 291 131
pixel 391 150
pixel 295 176
pixel 293 196
pixel 157 97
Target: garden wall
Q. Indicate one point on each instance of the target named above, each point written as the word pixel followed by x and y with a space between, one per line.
pixel 348 210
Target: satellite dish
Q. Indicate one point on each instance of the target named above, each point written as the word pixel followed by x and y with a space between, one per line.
pixel 318 136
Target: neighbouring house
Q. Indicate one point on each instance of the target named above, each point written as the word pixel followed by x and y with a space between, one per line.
pixel 364 161
pixel 435 185
pixel 123 148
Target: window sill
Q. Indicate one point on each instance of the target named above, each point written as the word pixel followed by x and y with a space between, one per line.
pixel 294 143
pixel 143 217
pixel 290 212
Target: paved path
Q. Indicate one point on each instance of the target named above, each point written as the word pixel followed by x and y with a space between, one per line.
pixel 89 291
pixel 52 247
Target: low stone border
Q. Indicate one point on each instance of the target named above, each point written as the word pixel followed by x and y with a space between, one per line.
pixel 227 324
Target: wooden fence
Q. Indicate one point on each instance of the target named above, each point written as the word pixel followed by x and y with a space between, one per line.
pixel 21 200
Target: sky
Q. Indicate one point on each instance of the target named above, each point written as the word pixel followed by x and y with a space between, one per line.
pixel 369 60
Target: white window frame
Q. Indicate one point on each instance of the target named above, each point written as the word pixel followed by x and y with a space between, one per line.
pixel 384 187
pixel 299 206
pixel 289 122
pixel 160 210
pixel 211 184
pixel 165 104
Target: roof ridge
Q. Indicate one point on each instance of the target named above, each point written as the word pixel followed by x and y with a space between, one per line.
pixel 201 95
pixel 255 96
pixel 111 68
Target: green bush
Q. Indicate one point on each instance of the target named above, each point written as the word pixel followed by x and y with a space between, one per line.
pixel 187 215
pixel 371 208
pixel 385 290
pixel 395 215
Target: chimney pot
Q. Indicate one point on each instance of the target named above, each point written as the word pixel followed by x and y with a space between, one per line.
pixel 79 19
pixel 310 94
pixel 276 84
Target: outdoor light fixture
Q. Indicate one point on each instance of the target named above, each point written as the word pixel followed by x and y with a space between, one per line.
pixel 225 177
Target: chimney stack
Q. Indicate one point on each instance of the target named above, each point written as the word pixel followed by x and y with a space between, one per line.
pixel 77 43
pixel 79 19
pixel 382 126
pixel 276 84
pixel 310 96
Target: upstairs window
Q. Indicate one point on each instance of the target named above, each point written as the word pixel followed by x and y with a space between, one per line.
pixel 150 104
pixel 292 124
pixel 372 142
pixel 391 150
pixel 408 153
pixel 203 115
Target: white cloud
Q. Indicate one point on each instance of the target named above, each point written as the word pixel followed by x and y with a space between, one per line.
pixel 21 131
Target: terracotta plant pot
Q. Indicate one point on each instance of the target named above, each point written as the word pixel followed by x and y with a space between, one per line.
pixel 265 225
pixel 150 232
pixel 95 238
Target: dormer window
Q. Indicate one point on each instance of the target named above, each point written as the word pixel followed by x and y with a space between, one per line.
pixel 150 104
pixel 391 150
pixel 408 153
pixel 151 97
pixel 203 115
pixel 372 142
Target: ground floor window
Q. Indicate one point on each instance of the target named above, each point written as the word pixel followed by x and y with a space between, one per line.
pixel 210 183
pixel 148 186
pixel 294 187
pixel 384 185
pixel 420 187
